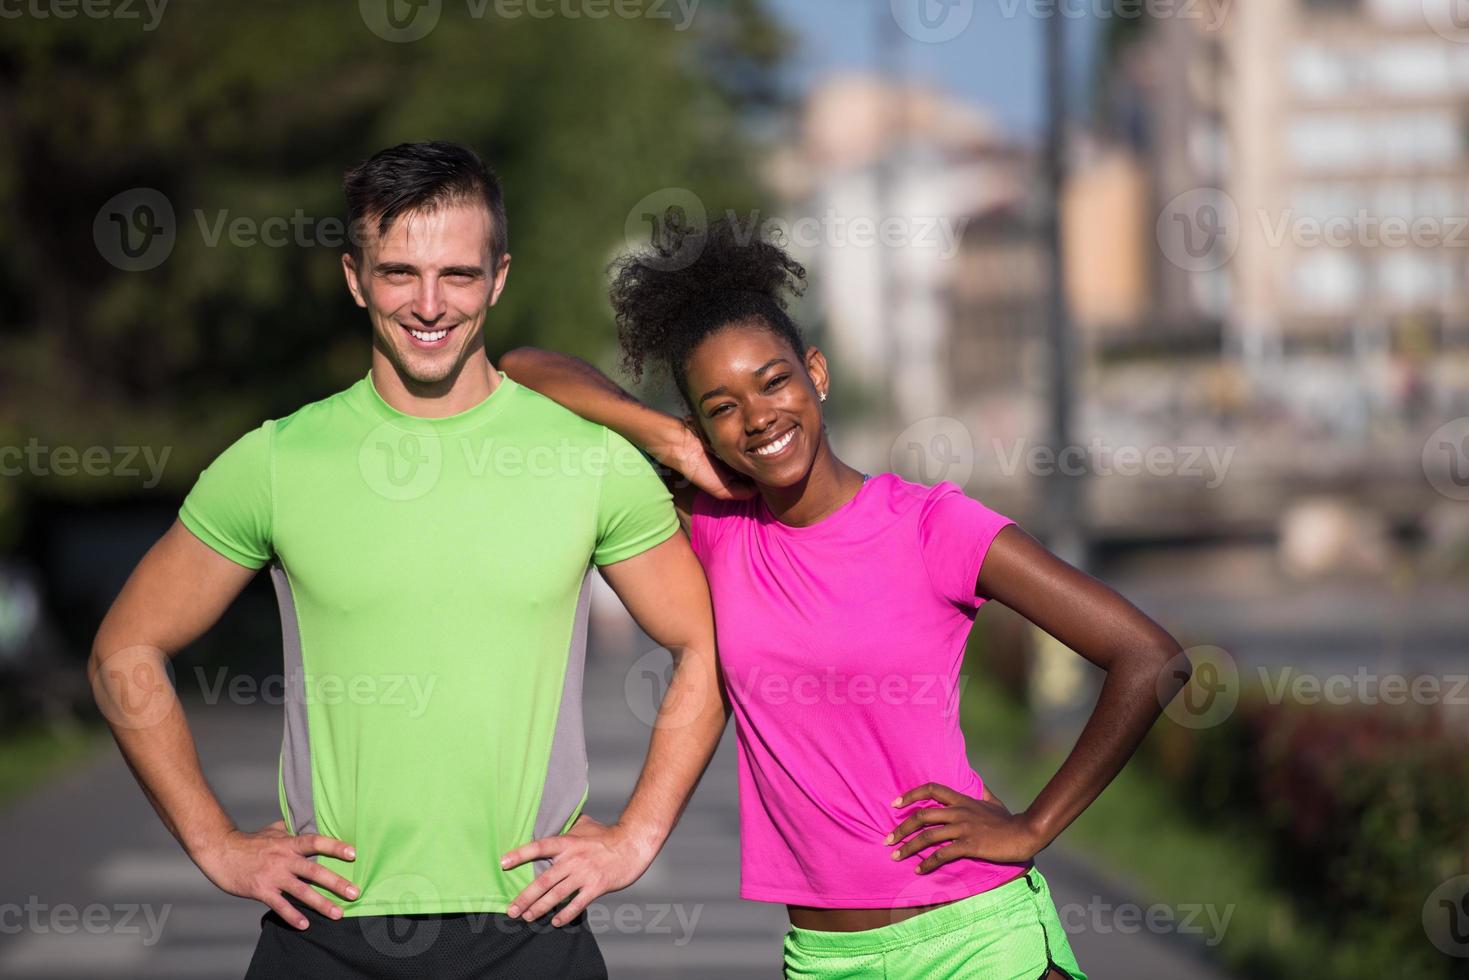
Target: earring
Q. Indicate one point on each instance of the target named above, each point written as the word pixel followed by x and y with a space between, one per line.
pixel 821 395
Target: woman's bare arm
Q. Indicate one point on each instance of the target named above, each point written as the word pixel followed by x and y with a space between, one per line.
pixel 580 387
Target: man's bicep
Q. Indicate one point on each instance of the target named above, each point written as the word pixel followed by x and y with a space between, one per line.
pixel 665 591
pixel 179 589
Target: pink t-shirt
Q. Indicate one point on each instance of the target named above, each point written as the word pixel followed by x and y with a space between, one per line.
pixel 840 645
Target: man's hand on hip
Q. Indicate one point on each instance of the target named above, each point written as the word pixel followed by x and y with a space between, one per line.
pixel 588 861
pixel 271 863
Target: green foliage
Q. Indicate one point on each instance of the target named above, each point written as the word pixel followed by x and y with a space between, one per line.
pixel 1322 831
pixel 254 110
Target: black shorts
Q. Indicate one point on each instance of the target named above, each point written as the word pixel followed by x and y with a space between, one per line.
pixel 441 947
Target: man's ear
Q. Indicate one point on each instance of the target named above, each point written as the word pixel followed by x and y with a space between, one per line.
pixel 502 271
pixel 354 282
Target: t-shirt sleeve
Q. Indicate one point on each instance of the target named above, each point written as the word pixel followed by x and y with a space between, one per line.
pixel 634 508
pixel 955 532
pixel 229 508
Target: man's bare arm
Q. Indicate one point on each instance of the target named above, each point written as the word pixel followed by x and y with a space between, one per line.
pixel 665 591
pixel 179 590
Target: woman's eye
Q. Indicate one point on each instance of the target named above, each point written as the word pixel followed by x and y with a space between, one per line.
pixel 717 410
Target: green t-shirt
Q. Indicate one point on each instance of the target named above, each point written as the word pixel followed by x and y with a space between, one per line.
pixel 434 580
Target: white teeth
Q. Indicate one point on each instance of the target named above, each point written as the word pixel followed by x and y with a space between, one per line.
pixel 429 336
pixel 777 445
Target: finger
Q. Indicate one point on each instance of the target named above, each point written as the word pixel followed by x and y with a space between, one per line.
pixel 576 906
pixel 945 854
pixel 313 899
pixel 536 850
pixel 927 816
pixel 530 893
pixel 309 844
pixel 278 825
pixel 937 792
pixel 327 878
pixel 551 899
pixel 930 837
pixel 284 909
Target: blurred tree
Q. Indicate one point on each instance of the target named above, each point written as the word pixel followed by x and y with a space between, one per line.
pixel 241 117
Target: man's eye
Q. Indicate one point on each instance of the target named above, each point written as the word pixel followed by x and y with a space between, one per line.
pixel 776 382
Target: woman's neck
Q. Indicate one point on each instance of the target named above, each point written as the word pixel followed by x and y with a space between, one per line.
pixel 828 485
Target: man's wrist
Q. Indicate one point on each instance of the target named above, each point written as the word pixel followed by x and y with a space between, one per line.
pixel 202 841
pixel 645 836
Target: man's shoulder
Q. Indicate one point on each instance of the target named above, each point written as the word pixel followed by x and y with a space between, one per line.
pixel 326 412
pixel 544 416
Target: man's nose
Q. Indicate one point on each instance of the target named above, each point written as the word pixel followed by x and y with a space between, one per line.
pixel 428 304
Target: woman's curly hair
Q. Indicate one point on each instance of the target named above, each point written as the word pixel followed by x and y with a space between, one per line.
pixel 694 282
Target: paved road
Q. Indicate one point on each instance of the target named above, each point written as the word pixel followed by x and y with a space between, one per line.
pixel 94 887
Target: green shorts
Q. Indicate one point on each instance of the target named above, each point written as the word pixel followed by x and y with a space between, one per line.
pixel 1012 932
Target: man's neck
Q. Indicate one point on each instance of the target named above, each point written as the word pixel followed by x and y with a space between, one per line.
pixel 474 381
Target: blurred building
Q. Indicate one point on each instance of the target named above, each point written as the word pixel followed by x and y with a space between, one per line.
pixel 935 305
pixel 1309 174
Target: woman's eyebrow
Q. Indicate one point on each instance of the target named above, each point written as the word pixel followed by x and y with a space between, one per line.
pixel 756 373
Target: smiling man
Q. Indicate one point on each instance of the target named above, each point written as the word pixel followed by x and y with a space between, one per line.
pixel 432 528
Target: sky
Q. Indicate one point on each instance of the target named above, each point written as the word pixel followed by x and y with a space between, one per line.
pixel 993 59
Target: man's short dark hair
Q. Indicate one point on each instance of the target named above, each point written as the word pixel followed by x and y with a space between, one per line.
pixel 421 176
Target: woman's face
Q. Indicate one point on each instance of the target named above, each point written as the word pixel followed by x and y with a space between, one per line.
pixel 758 403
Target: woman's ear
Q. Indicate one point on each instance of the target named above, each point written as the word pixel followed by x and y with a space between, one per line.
pixel 817 370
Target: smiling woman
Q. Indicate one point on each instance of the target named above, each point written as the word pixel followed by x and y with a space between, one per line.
pixel 842 603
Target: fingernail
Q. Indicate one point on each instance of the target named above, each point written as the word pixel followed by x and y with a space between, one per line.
pixel 504 862
pixel 336 913
pixel 513 911
pixel 301 924
pixel 351 853
pixel 895 854
pixel 353 892
pixel 896 800
pixel 888 839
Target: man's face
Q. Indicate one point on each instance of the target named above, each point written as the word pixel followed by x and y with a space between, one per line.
pixel 427 285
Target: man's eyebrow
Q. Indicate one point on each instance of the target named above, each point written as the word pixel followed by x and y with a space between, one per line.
pixel 757 372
